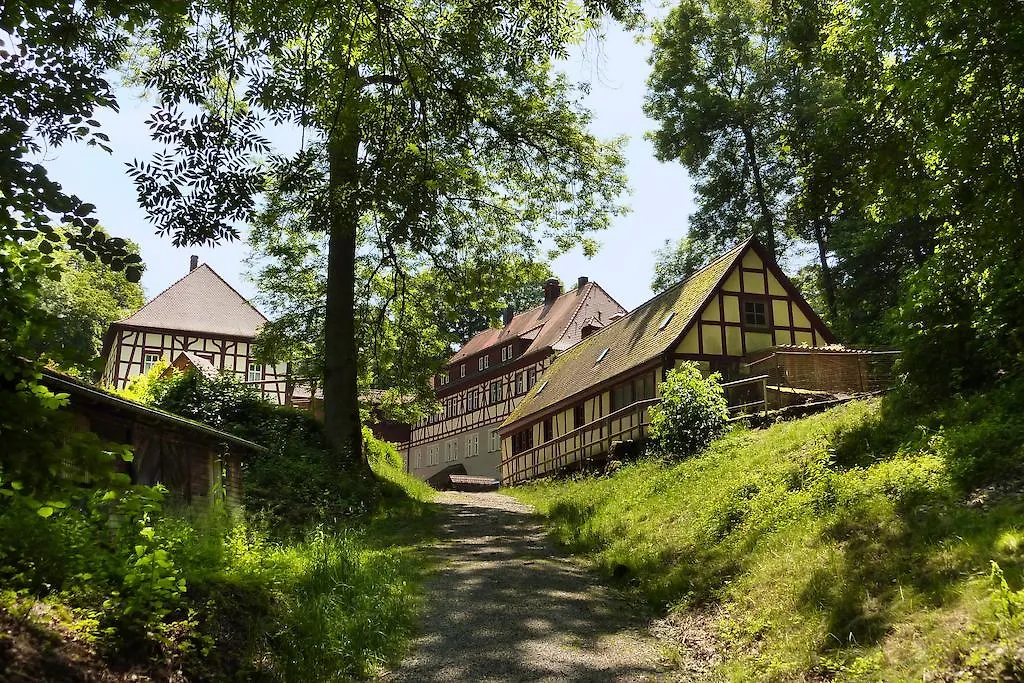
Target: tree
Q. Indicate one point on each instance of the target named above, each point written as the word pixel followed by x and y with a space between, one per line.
pixel 431 131
pixel 675 262
pixel 79 307
pixel 714 91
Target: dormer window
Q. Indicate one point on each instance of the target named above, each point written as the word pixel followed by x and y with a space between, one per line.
pixel 601 356
pixel 506 353
pixel 483 362
pixel 462 370
pixel 666 321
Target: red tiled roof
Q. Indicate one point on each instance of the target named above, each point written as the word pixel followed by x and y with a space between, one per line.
pixel 555 326
pixel 201 302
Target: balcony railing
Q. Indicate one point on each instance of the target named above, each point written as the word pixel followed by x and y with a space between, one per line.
pixel 590 442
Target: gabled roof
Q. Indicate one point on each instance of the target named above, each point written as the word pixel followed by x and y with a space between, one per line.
pixel 201 302
pixel 547 326
pixel 641 336
pixel 186 359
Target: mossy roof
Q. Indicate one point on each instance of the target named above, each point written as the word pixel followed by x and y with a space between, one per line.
pixel 631 341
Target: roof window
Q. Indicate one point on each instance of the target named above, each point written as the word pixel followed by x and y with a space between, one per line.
pixel 541 387
pixel 601 357
pixel 666 321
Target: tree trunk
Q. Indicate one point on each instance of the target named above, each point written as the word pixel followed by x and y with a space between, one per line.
pixel 341 390
pixel 828 285
pixel 767 221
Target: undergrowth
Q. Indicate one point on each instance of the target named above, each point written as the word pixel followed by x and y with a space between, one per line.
pixel 881 540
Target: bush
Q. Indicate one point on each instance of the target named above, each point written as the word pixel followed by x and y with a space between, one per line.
pixel 691 414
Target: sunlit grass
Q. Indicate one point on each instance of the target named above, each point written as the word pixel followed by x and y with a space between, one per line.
pixel 838 545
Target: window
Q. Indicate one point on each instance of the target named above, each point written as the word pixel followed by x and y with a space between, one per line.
pixel 483 362
pixel 531 378
pixel 755 314
pixel 506 353
pixel 578 416
pixel 473 399
pixel 149 359
pixel 548 430
pixel 522 441
pixel 520 382
pixel 419 458
pixel 451 452
pixel 495 444
pixel 601 356
pixel 472 445
pixel 495 391
pixel 434 455
pixel 462 370
pixel 666 321
pixel 255 372
pixel 541 387
pixel 442 378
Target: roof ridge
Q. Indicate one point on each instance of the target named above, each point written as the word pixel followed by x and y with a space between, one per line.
pixel 182 279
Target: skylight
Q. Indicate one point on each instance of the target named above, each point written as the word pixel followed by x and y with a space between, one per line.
pixel 601 357
pixel 541 387
pixel 666 321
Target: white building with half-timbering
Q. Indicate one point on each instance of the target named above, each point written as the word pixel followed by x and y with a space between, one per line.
pixel 487 378
pixel 200 314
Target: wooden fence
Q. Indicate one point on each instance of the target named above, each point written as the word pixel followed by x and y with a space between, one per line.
pixel 592 441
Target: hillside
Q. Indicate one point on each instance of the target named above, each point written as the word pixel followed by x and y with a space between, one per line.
pixel 880 540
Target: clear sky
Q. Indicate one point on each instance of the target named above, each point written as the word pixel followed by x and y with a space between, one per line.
pixel 616 69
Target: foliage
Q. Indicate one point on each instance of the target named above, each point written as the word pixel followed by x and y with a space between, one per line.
pixel 80 306
pixel 889 142
pixel 676 262
pixel 691 414
pixel 144 388
pixel 431 136
pixel 851 544
pixel 381 451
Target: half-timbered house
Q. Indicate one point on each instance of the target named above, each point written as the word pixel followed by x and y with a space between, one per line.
pixel 200 315
pixel 599 390
pixel 488 376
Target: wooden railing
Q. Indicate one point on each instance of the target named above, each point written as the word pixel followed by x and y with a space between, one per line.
pixel 738 410
pixel 591 441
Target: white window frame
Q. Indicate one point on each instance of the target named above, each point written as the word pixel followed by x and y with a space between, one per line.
pixel 495 442
pixel 249 372
pixel 483 362
pixel 520 383
pixel 492 395
pixel 472 445
pixel 148 364
pixel 506 352
pixel 462 370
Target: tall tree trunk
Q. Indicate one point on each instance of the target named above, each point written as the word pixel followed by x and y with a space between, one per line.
pixel 767 221
pixel 341 390
pixel 828 284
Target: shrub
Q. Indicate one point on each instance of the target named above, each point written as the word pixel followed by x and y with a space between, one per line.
pixel 692 412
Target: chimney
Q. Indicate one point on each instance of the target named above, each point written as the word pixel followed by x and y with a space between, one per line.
pixel 193 263
pixel 506 317
pixel 582 281
pixel 552 290
pixel 589 328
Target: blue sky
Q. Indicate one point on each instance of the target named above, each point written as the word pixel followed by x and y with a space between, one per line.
pixel 616 69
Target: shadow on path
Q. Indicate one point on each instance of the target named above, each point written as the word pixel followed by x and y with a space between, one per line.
pixel 505 605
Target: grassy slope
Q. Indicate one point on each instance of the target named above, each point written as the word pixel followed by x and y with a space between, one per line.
pixel 337 603
pixel 836 546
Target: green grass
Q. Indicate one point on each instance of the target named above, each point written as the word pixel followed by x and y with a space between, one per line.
pixel 260 603
pixel 838 546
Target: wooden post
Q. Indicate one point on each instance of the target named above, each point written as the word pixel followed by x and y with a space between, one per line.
pixel 764 395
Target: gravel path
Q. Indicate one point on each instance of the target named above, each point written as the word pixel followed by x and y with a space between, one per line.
pixel 506 605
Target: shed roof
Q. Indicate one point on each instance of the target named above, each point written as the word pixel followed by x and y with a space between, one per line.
pixel 60 382
pixel 629 342
pixel 201 302
pixel 547 326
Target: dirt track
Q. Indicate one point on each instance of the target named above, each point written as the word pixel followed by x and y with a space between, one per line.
pixel 506 605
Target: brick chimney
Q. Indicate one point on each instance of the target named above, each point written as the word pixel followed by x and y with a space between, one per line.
pixel 193 263
pixel 581 282
pixel 507 315
pixel 552 290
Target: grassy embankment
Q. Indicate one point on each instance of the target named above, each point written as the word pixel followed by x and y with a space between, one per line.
pixel 332 602
pixel 857 544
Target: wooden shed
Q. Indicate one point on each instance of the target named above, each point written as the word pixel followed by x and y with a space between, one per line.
pixel 193 460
